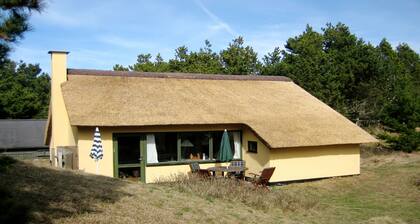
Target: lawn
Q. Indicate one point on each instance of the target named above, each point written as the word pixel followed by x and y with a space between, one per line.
pixel 387 191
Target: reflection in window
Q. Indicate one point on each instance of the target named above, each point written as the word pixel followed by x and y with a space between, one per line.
pixel 195 146
pixel 166 145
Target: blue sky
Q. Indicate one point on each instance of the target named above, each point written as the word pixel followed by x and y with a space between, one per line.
pixel 100 34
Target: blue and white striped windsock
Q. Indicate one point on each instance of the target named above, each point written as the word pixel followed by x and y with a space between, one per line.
pixel 97 152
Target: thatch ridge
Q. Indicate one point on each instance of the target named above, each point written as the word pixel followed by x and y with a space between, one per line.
pixel 176 75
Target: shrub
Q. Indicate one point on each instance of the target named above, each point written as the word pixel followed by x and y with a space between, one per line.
pixel 407 141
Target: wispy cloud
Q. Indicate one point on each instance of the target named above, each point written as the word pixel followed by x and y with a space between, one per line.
pixel 270 36
pixel 220 24
pixel 125 42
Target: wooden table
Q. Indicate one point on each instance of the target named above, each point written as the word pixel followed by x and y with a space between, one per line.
pixel 227 169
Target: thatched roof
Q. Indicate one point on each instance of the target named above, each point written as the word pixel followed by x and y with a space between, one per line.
pixel 276 109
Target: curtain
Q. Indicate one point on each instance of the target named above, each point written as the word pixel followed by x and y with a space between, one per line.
pixel 237 145
pixel 151 149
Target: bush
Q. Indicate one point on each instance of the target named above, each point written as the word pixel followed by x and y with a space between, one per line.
pixel 407 141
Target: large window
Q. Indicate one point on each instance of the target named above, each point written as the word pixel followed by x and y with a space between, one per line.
pixel 190 146
pixel 195 145
pixel 166 146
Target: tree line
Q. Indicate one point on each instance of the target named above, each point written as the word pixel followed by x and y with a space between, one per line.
pixel 24 89
pixel 378 84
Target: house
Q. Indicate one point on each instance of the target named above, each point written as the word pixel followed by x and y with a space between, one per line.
pixel 158 123
pixel 22 134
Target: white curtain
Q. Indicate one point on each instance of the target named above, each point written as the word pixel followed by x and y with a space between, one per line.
pixel 237 145
pixel 151 149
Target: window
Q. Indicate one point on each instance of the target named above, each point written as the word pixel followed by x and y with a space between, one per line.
pixel 195 146
pixel 189 146
pixel 252 146
pixel 166 146
pixel 128 150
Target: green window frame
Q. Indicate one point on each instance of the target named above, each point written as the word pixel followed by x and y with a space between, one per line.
pixel 180 161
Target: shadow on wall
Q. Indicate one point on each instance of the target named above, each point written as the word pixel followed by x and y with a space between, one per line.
pixel 39 195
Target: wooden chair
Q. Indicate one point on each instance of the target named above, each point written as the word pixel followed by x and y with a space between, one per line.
pixel 238 163
pixel 195 169
pixel 263 178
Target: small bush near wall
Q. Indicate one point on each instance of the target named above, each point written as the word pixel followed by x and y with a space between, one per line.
pixel 239 192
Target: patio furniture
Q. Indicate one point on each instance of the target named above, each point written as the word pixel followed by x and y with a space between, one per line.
pixel 239 174
pixel 263 178
pixel 224 169
pixel 195 169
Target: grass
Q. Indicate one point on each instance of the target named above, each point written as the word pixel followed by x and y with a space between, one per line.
pixel 387 191
pixel 233 191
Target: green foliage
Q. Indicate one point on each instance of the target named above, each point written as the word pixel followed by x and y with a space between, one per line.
pixel 361 81
pixel 24 91
pixel 203 61
pixel 118 67
pixel 14 22
pixel 238 59
pixel 407 141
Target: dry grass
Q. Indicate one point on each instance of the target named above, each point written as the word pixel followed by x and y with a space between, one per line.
pixel 235 191
pixel 387 191
pixel 57 196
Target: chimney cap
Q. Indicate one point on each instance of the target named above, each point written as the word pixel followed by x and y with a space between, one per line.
pixel 58 52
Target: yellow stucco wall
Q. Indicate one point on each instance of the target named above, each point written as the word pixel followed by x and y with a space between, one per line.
pixel 106 166
pixel 84 145
pixel 62 133
pixel 255 162
pixel 314 162
pixel 291 163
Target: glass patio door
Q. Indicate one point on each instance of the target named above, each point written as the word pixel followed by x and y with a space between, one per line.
pixel 130 156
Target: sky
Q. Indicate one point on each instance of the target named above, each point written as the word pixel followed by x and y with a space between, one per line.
pixel 101 33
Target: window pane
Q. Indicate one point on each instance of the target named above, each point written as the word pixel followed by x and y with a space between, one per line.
pixel 252 146
pixel 195 146
pixel 128 150
pixel 166 146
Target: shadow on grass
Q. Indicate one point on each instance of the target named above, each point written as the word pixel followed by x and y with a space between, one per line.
pixel 39 195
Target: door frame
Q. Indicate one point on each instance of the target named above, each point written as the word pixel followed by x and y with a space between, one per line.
pixel 143 153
